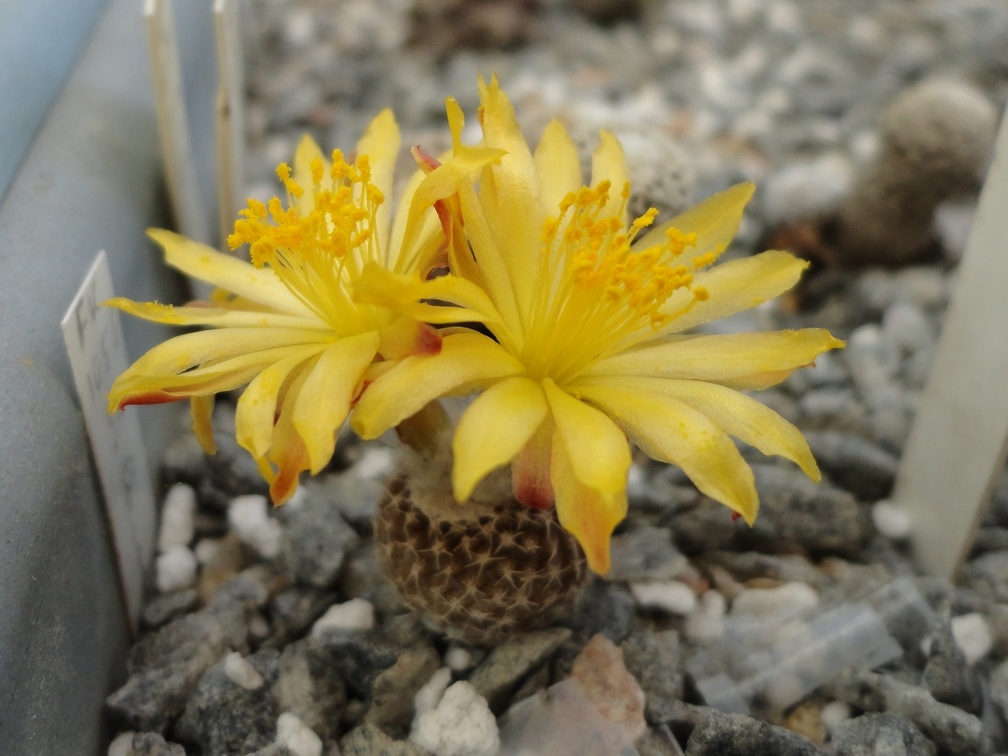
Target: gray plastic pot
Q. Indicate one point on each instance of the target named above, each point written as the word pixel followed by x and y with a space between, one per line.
pixel 91 179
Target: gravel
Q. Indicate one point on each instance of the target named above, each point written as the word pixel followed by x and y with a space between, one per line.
pixel 273 632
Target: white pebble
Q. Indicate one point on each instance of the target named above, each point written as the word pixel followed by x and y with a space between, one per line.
pixel 376 462
pixel 428 696
pixel 834 714
pixel 892 520
pixel 297 736
pixel 707 621
pixel 355 614
pixel 972 633
pixel 461 725
pixel 458 659
pixel 206 549
pixel 249 518
pixel 240 672
pixel 177 517
pixel 174 569
pixel 806 190
pixel 672 596
pixel 908 326
pixel 765 601
pixel 122 745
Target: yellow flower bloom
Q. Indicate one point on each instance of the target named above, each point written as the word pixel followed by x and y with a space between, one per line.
pixel 587 314
pixel 293 333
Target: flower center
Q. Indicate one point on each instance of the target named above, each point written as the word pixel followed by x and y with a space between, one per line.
pixel 318 244
pixel 601 291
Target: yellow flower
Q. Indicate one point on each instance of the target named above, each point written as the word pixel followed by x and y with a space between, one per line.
pixel 587 314
pixel 293 333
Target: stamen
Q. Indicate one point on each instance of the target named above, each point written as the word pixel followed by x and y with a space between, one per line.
pixel 318 245
pixel 601 291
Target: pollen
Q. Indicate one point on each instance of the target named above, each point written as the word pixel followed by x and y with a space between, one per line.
pixel 594 249
pixel 321 236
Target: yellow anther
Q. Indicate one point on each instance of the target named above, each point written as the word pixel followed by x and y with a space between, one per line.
pixel 701 261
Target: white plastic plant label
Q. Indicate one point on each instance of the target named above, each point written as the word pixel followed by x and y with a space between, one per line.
pixel 94 341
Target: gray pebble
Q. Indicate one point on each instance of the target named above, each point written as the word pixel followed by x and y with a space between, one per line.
pixel 880 735
pixel 362 577
pixel 370 740
pixel 654 659
pixel 274 749
pixel 948 674
pixel 394 688
pixel 211 631
pixel 987 575
pixel 355 497
pixel 296 609
pixel 224 717
pixel 954 731
pixel 152 699
pixel 165 607
pixel 856 464
pixel 509 663
pixel 737 735
pixel 152 744
pixel 796 511
pixel 359 656
pixel 309 686
pixel 315 542
pixel 999 688
pixel 645 554
pixel 603 607
pixel 747 565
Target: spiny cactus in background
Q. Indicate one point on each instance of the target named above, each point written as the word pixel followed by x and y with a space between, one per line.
pixel 935 141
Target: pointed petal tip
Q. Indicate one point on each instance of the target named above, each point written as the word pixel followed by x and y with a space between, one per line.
pixel 599 560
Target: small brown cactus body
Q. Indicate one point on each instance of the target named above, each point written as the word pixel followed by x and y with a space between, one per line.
pixel 478 572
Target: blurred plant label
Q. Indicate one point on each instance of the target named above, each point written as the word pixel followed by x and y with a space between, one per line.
pixel 94 340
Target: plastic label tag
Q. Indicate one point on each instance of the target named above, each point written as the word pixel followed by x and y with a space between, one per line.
pixel 94 341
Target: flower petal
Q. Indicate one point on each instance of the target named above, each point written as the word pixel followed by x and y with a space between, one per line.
pixel 403 294
pixel 440 183
pixel 181 353
pixel 201 409
pixel 323 403
pixel 530 469
pixel 405 336
pixel 495 278
pixel 669 430
pixel 736 414
pixel 722 357
pixel 381 144
pixel 287 449
pixel 307 151
pixel 587 514
pixel 715 222
pixel 493 429
pixel 598 451
pixel 735 286
pixel 467 361
pixel 510 192
pixel 557 167
pixel 206 314
pixel 609 164
pixel 227 272
pixel 168 371
pixel 255 413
